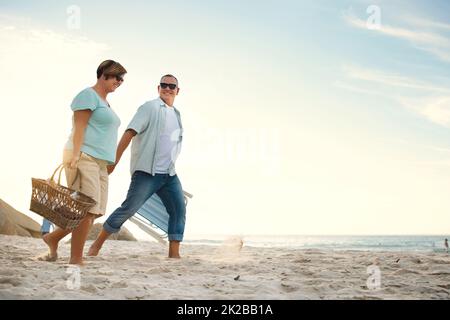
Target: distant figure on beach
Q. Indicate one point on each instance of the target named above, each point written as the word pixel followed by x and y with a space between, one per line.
pixel 446 245
pixel 156 132
pixel 90 148
pixel 46 227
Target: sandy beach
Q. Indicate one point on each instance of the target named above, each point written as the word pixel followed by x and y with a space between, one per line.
pixel 140 270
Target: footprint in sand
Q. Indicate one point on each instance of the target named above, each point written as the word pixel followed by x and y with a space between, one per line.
pixel 286 287
pixel 302 260
pixel 439 273
pixel 90 288
pixel 104 271
pixel 119 285
pixel 7 272
pixel 405 271
pixel 12 281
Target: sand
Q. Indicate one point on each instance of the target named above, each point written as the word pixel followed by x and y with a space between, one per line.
pixel 140 270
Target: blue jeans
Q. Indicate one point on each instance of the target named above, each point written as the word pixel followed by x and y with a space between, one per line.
pixel 143 185
pixel 46 225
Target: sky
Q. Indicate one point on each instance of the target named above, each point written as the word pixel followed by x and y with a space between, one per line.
pixel 300 117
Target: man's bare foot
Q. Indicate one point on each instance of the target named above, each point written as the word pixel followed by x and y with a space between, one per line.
pixel 174 249
pixel 93 251
pixel 52 247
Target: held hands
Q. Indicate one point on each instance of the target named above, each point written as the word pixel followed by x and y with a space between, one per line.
pixel 76 158
pixel 110 168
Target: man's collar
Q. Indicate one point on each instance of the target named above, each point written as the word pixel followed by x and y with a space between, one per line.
pixel 163 104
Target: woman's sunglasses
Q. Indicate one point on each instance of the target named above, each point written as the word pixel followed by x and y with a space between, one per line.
pixel 118 77
pixel 171 86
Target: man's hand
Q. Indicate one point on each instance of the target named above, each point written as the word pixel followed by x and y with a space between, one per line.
pixel 110 168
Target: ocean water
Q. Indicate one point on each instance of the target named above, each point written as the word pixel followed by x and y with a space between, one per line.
pixel 366 243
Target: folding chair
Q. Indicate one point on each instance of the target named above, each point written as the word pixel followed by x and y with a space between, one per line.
pixel 153 218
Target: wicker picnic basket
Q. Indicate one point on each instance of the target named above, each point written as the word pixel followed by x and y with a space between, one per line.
pixel 62 206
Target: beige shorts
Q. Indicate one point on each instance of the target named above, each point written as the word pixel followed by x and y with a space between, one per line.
pixel 92 180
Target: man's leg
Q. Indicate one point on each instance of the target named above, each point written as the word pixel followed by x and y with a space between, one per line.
pixel 171 195
pixel 142 187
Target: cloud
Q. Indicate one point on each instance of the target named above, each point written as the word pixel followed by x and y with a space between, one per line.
pixel 430 100
pixel 34 58
pixel 391 79
pixel 429 41
pixel 26 47
pixel 353 88
pixel 439 149
pixel 425 99
pixel 442 163
pixel 435 109
pixel 427 23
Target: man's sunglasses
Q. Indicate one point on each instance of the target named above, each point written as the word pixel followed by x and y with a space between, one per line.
pixel 171 86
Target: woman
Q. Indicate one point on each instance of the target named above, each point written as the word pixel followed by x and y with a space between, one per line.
pixel 90 148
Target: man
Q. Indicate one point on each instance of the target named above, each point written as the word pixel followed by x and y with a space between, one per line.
pixel 156 131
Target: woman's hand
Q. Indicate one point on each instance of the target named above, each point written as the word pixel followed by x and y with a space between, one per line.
pixel 110 168
pixel 74 161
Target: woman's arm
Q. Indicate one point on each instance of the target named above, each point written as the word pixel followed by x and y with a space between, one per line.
pixel 123 144
pixel 81 119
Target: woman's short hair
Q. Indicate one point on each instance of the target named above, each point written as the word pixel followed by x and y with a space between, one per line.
pixel 110 68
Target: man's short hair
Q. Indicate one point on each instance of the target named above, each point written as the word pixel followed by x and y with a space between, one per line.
pixel 168 75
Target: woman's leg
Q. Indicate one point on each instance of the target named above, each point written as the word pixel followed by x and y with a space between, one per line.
pixel 79 236
pixel 90 182
pixel 52 240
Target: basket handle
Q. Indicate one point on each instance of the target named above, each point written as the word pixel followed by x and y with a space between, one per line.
pixel 60 167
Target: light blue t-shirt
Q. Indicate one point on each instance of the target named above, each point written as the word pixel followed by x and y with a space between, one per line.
pixel 167 152
pixel 100 136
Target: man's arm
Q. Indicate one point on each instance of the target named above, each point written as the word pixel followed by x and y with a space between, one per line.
pixel 123 145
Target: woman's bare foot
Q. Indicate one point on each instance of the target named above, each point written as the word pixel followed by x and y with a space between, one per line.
pixel 47 257
pixel 52 247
